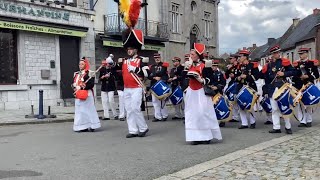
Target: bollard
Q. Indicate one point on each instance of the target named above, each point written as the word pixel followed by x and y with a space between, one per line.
pixel 32 111
pixel 40 116
pixel 49 110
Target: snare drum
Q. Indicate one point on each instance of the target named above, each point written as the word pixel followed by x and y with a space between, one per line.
pixel 246 98
pixel 161 90
pixel 177 96
pixel 310 94
pixel 231 91
pixel 284 99
pixel 266 105
pixel 221 107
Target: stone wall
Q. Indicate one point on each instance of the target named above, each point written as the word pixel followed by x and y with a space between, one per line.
pixel 36 50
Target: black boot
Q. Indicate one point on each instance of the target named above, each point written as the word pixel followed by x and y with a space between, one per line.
pixel 275 131
pixel 222 124
pixel 131 135
pixel 288 131
pixel 156 120
pixel 309 124
pixel 302 125
pixel 243 127
pixel 268 123
pixel 194 143
pixel 143 134
pixel 253 126
pixel 233 120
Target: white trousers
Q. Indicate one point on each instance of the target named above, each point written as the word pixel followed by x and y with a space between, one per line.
pixel 178 109
pixel 160 110
pixel 244 117
pixel 307 115
pixel 276 116
pixel 132 103
pixel 235 111
pixel 107 99
pixel 121 104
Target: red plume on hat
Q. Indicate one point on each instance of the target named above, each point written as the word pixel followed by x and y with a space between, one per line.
pixel 199 48
pixel 130 11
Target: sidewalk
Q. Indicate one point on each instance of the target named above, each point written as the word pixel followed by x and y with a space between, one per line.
pixel 64 114
pixel 290 157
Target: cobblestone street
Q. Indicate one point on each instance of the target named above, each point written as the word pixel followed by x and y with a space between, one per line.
pixel 295 159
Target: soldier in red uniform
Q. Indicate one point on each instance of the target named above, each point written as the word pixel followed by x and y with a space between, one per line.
pixel 132 70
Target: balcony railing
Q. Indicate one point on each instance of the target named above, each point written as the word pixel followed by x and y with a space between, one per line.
pixel 115 25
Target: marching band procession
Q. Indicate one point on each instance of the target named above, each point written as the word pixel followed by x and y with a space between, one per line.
pixel 200 93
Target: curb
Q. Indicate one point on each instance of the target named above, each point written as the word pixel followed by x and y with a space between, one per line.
pixel 202 167
pixel 36 121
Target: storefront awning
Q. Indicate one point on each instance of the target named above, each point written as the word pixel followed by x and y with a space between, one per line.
pixel 41 29
pixel 119 44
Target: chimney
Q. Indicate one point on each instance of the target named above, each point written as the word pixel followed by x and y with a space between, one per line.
pixel 271 40
pixel 316 11
pixel 295 21
pixel 254 46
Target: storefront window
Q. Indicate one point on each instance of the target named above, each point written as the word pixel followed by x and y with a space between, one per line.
pixel 8 57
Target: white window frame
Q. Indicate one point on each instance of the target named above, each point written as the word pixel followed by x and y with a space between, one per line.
pixel 207 23
pixel 175 17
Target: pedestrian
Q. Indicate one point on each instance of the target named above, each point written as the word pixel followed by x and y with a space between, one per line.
pixel 133 70
pixel 159 71
pixel 217 81
pixel 249 74
pixel 85 117
pixel 120 87
pixel 201 125
pixel 307 73
pixel 175 80
pixel 232 72
pixel 108 86
pixel 275 74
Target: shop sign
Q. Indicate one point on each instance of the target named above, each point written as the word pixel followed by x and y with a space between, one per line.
pixel 35 12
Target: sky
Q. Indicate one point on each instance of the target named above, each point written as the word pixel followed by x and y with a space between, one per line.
pixel 246 22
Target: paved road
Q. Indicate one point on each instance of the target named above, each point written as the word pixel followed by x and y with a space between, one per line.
pixel 53 151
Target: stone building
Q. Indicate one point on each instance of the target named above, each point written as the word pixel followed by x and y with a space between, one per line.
pixel 41 42
pixel 170 27
pixel 191 21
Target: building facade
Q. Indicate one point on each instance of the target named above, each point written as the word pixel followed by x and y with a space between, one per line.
pixel 170 27
pixel 190 21
pixel 41 43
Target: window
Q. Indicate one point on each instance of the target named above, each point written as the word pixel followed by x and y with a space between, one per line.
pixel 193 6
pixel 91 3
pixel 175 18
pixel 67 2
pixel 8 54
pixel 207 24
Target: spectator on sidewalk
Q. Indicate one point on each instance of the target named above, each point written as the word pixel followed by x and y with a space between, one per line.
pixel 108 86
pixel 120 87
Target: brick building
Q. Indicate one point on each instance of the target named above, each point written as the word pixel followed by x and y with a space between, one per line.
pixel 41 43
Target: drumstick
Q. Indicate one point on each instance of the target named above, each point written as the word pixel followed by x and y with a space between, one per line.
pixel 276 76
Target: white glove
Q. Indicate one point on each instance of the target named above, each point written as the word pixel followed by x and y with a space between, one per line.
pixel 199 79
pixel 131 68
pixel 188 64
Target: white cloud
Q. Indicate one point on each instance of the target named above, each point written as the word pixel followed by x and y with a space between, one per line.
pixel 244 22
